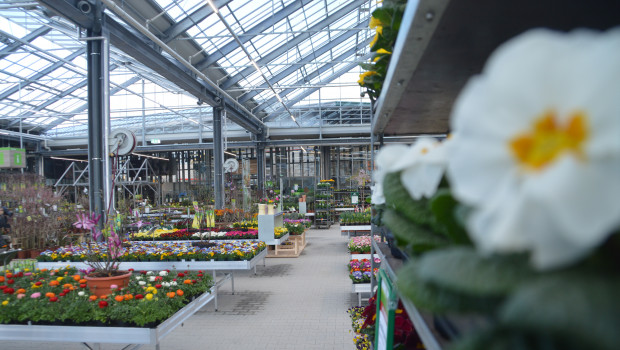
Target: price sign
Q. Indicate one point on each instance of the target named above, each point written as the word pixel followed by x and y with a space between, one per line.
pixel 387 302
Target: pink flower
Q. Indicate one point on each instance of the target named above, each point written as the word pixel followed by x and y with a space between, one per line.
pixel 35 295
pixel 113 286
pixel 20 295
pixel 84 222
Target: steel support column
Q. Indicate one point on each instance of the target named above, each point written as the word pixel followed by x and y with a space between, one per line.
pixel 96 153
pixel 260 165
pixel 218 158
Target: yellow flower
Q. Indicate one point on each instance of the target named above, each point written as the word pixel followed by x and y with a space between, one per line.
pixel 374 23
pixel 149 296
pixel 4 303
pixel 384 51
pixel 364 75
pixel 374 40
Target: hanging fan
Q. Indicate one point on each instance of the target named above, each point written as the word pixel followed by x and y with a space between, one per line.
pixel 122 142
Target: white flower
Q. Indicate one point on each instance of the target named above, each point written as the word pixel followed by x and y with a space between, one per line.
pixel 138 278
pixel 422 177
pixel 141 283
pixel 422 164
pixel 151 278
pixel 163 273
pixel 173 283
pixel 377 193
pixel 166 284
pixel 536 146
pixel 150 273
pixel 81 293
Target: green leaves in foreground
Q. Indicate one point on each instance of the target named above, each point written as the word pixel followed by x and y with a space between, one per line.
pixel 414 238
pixel 578 305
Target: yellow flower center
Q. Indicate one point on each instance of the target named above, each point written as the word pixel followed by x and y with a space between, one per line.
pixel 548 139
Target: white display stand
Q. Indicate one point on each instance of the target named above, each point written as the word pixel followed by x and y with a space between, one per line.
pixel 120 335
pixel 266 228
pixel 302 207
pixel 349 229
pixel 363 256
pixel 360 288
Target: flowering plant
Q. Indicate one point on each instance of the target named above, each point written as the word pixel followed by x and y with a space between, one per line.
pixel 516 216
pixel 361 270
pixel 61 296
pixel 104 263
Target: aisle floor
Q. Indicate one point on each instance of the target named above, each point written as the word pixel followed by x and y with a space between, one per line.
pixel 291 303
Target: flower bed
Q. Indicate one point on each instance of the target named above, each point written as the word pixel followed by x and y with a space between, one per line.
pixel 61 297
pixel 361 339
pixel 163 251
pixel 361 244
pixel 360 270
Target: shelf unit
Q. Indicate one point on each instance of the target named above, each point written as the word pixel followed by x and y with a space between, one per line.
pixel 324 207
pixel 266 228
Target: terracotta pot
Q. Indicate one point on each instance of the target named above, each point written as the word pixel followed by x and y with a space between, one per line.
pixel 101 285
pixel 23 254
pixel 34 253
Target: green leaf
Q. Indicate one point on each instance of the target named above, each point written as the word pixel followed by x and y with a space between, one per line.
pixel 462 269
pixel 412 237
pixel 579 305
pixel 443 205
pixel 367 66
pixel 433 298
pixel 383 15
pixel 497 338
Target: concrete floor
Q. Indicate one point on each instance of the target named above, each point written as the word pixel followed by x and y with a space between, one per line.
pixel 291 303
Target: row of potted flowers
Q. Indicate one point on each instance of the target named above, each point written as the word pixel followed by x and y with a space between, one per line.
pixel 211 234
pixel 159 251
pixel 61 297
pixel 361 270
pixel 361 244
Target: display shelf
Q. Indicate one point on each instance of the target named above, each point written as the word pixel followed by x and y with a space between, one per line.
pixel 359 289
pixel 363 256
pixel 118 335
pixel 439 47
pixel 323 207
pixel 421 321
pixel 356 228
pixel 267 225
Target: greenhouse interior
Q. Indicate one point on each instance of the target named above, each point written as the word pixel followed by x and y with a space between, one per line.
pixel 309 174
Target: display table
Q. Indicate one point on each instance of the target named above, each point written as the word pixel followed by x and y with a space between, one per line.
pixel 360 288
pixel 211 265
pixel 362 256
pixel 356 228
pixel 134 336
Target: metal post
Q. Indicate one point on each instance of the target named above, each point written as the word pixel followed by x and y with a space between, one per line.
pixel 108 191
pixel 95 121
pixel 143 116
pixel 218 158
pixel 260 165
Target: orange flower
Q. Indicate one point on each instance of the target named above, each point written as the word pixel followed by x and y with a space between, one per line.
pixel 128 296
pixel 92 297
pixel 43 270
pixel 171 294
pixel 119 298
pixel 179 292
pixel 50 294
pixel 1 279
pixel 67 285
pixel 21 291
pixel 187 282
pixel 103 297
pixel 82 281
pixel 77 278
pixel 54 283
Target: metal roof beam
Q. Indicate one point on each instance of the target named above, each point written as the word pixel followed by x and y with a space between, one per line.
pixel 28 38
pixel 305 60
pixel 352 6
pixel 10 91
pixel 308 92
pixel 194 18
pixel 309 77
pixel 249 34
pixel 147 52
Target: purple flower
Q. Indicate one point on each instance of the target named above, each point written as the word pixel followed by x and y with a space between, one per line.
pixel 84 222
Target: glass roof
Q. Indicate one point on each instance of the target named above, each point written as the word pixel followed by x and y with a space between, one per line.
pixel 307 52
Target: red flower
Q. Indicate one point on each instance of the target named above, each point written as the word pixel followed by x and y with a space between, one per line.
pixel 9 290
pixel 54 299
pixel 199 275
pixel 66 291
pixel 139 296
pixel 158 286
pixel 38 283
pixel 159 278
pixel 2 286
pixel 61 295
pixel 102 304
pixel 130 270
pixel 82 285
pixel 10 281
pixel 181 274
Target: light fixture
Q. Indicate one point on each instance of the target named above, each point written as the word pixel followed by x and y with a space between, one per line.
pixel 212 6
pixel 232 154
pixel 70 159
pixel 147 156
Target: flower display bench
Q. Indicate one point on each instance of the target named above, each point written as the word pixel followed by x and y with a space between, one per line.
pixel 356 229
pixel 227 267
pixel 363 256
pixel 360 288
pixel 134 336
